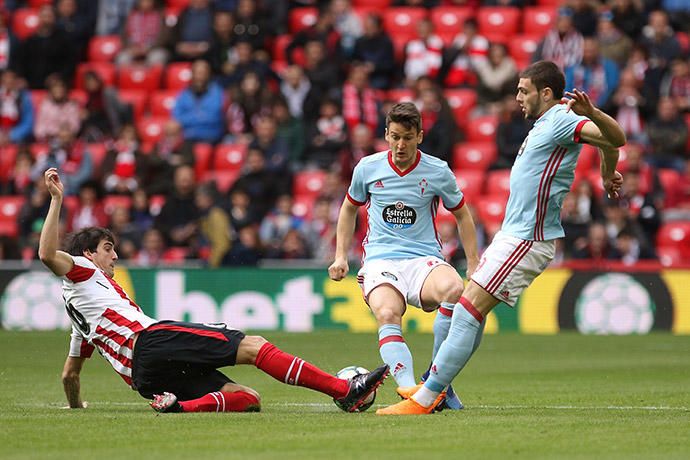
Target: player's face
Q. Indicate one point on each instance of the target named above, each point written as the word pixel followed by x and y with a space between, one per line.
pixel 403 143
pixel 104 258
pixel 529 98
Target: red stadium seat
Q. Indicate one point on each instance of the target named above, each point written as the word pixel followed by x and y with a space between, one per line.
pixel 98 152
pixel 105 70
pixel 302 18
pixel 38 149
pixel 24 22
pixel 399 44
pixel 37 96
pixel 471 184
pixel 139 77
pixel 378 4
pixel 171 14
pixel 110 202
pixel 482 129
pixel 202 158
pixel 402 21
pixel 675 235
pixel 162 102
pixel 522 47
pixel 279 44
pixel 137 98
pixel 156 203
pixel 450 19
pixel 400 95
pixel 537 20
pixel 503 21
pixel 491 210
pixel 309 183
pixel 8 154
pixel 588 159
pixel 475 156
pixel 9 211
pixel 222 179
pixel 461 101
pixel 79 96
pixel 150 129
pixel 39 3
pixel 229 157
pixel 179 4
pixel 303 205
pixel 175 255
pixel 104 48
pixel 498 183
pixel 178 75
pixel 669 256
pixel 670 180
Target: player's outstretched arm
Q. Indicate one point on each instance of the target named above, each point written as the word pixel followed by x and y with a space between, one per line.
pixel 71 382
pixel 343 239
pixel 468 237
pixel 58 262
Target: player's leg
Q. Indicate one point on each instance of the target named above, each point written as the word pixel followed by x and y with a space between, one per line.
pixel 388 306
pixel 231 397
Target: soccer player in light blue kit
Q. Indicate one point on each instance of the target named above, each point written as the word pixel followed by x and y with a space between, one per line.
pixel 403 264
pixel 540 178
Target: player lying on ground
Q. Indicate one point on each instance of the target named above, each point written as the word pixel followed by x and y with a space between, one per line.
pixel 403 263
pixel 174 363
pixel 541 176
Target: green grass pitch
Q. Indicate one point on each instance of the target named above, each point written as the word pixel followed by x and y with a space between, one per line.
pixel 565 396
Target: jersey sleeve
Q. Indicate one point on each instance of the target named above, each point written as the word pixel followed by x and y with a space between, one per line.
pixel 78 346
pixel 567 127
pixel 453 198
pixel 82 270
pixel 357 193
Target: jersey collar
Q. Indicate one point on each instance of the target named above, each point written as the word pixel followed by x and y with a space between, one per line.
pixel 408 170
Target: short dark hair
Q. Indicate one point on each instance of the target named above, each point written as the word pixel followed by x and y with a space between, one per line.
pixel 405 113
pixel 87 239
pixel 546 74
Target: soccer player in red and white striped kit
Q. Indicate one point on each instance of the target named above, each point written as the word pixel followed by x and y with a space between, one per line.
pixel 173 363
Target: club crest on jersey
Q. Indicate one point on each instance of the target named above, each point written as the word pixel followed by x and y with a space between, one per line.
pixel 423 185
pixel 399 216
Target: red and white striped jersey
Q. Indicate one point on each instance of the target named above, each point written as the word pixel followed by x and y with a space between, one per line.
pixel 102 316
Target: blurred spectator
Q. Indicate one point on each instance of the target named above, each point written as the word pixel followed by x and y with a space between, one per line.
pixel 16 110
pixel 57 111
pixel 238 210
pixel 596 246
pixel 451 247
pixel 438 125
pixel 676 84
pixel 144 36
pixel 18 180
pixel 295 89
pixel 246 250
pixel 140 212
pixel 70 156
pixel 683 191
pixel 322 31
pixel 248 102
pixel 244 62
pixel 112 15
pixel 126 232
pixel 361 145
pixel 423 54
pixel 289 129
pixel 628 15
pixel 668 135
pixel 169 152
pixel 152 249
pixel 595 75
pixel 580 208
pixel 649 178
pixel 498 77
pixel 629 248
pixel 678 12
pixel 375 50
pixel 178 217
pixel 125 168
pixel 78 23
pixel 293 246
pixel 250 24
pixel 275 17
pixel 662 46
pixel 347 24
pixel 275 149
pixel 629 106
pixel 104 113
pixel 199 107
pixel 276 225
pixel 640 208
pixel 322 70
pixel 319 231
pixel 191 36
pixel 327 136
pixel 260 185
pixel 584 16
pixel 89 211
pixel 613 43
pixel 222 44
pixel 49 50
pixel 215 232
pixel 360 101
pixel 468 48
pixel 33 214
pixel 8 44
pixel 510 133
pixel 563 43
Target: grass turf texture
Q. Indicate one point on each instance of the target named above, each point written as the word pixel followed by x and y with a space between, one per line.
pixel 527 397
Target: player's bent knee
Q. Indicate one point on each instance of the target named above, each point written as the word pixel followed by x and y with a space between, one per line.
pixel 249 349
pixel 388 316
pixel 451 290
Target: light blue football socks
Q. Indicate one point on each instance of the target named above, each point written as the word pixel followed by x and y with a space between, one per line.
pixel 396 354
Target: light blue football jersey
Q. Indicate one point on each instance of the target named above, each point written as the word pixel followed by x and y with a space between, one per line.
pixel 542 175
pixel 401 206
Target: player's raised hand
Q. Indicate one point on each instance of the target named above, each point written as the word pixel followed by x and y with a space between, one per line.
pixel 55 187
pixel 579 102
pixel 613 184
pixel 338 269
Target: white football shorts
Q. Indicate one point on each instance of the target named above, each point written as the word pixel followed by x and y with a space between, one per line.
pixel 510 264
pixel 407 276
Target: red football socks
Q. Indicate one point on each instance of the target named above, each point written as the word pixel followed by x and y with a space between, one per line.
pixel 295 371
pixel 222 401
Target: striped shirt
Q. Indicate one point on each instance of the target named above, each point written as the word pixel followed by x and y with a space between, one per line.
pixel 102 316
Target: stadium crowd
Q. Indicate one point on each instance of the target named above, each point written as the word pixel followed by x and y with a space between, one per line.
pixel 227 130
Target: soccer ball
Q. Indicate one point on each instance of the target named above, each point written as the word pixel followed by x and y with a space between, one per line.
pixel 349 372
